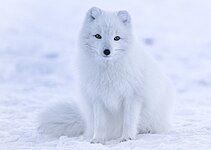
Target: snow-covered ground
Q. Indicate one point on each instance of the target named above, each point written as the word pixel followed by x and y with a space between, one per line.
pixel 38 42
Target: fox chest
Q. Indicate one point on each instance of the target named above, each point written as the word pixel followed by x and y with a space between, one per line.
pixel 110 89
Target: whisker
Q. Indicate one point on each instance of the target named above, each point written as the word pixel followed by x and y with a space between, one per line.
pixel 89 45
pixel 120 49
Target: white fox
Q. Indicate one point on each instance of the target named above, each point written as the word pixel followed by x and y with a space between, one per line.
pixel 123 91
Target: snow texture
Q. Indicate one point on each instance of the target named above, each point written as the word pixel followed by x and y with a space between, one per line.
pixel 38 41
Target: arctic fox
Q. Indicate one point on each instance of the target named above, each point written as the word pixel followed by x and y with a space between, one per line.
pixel 123 90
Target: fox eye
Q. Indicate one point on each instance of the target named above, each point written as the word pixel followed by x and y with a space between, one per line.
pixel 117 38
pixel 98 36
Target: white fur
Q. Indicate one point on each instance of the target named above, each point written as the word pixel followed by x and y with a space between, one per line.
pixel 123 94
pixel 62 119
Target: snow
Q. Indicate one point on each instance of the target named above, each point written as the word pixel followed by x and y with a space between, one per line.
pixel 38 41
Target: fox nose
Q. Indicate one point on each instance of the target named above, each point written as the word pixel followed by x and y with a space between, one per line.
pixel 107 52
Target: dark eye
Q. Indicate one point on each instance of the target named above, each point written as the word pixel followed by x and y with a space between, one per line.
pixel 117 38
pixel 98 36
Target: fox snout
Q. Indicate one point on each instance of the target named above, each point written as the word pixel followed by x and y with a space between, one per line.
pixel 106 52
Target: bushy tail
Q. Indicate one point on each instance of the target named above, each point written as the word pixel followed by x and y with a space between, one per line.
pixel 63 119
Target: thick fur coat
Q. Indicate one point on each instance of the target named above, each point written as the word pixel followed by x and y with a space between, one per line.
pixel 123 90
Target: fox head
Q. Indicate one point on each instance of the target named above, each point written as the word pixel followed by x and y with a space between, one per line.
pixel 106 36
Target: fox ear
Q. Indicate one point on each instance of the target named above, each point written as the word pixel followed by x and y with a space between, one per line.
pixel 93 13
pixel 124 16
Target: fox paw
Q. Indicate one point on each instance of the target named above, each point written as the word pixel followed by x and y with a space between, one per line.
pixel 126 138
pixel 95 141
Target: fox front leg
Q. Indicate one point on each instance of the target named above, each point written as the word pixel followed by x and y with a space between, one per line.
pixel 131 113
pixel 99 123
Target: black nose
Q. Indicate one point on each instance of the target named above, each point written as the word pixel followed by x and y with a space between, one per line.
pixel 106 52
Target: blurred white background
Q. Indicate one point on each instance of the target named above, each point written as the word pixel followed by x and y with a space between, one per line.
pixel 38 44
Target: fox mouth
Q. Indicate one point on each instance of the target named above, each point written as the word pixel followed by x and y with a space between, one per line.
pixel 106 59
pixel 104 56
